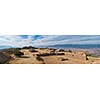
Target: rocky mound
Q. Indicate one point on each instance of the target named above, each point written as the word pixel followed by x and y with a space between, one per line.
pixel 4 58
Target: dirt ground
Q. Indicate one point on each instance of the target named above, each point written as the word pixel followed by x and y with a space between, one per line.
pixel 75 57
pixel 28 58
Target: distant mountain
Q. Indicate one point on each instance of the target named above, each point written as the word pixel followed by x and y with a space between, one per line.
pixel 5 47
pixel 78 46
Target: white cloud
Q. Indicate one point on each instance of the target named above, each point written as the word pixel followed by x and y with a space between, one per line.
pixel 46 40
pixel 65 39
pixel 16 41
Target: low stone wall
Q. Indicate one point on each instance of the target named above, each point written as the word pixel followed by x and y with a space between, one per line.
pixel 50 54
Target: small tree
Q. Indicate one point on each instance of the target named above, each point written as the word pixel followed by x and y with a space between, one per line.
pixel 39 58
pixel 70 51
pixel 86 57
pixel 18 53
pixel 32 50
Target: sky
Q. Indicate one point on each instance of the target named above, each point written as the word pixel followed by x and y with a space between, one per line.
pixel 47 40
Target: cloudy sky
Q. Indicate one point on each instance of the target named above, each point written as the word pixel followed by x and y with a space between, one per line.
pixel 47 40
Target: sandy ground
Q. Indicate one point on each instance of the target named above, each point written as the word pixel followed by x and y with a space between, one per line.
pixel 76 57
pixel 28 58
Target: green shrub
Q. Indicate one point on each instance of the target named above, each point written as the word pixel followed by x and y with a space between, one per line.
pixel 64 59
pixel 32 50
pixel 28 47
pixel 18 53
pixel 60 53
pixel 70 51
pixel 61 50
pixel 39 58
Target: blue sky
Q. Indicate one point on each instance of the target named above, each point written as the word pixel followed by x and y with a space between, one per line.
pixel 47 40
